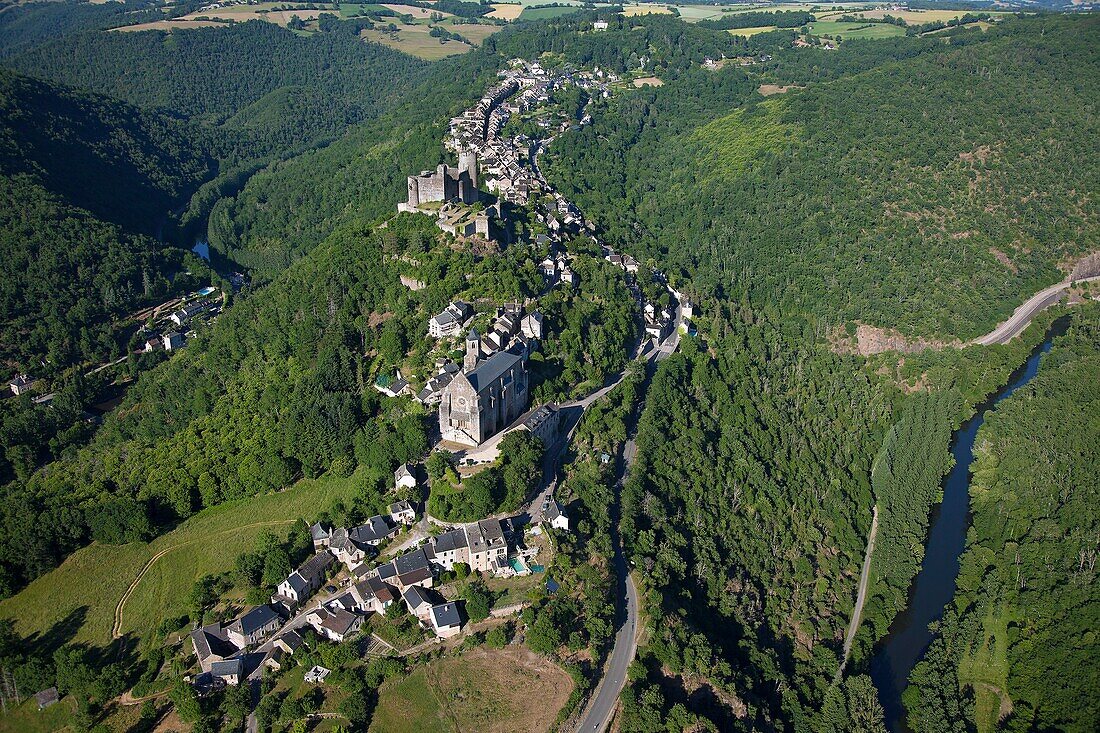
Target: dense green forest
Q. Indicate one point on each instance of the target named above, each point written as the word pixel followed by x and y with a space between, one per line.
pixel 85 182
pixel 779 18
pixel 277 389
pixel 282 386
pixel 1027 606
pixel 924 216
pixel 746 513
pixel 122 163
pixel 257 78
pixel 25 25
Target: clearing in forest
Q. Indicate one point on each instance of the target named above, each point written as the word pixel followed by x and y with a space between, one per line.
pixel 415 40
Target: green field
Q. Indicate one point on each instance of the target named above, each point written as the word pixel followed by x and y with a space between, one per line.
pixel 416 40
pixel 482 689
pixel 541 13
pixel 27 718
pixel 834 29
pixel 78 600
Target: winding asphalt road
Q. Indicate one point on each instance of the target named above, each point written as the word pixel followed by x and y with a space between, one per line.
pixel 1021 318
pixel 601 707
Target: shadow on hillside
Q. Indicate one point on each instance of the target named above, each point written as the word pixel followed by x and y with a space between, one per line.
pixel 58 635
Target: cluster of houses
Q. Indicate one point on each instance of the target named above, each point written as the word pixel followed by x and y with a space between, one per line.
pixel 477 130
pixel 555 269
pixel 263 636
pixel 659 321
pixel 170 333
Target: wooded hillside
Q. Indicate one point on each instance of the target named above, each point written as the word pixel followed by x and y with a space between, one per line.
pixel 886 197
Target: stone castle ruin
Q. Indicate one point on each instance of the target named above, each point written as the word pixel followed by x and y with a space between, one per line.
pixel 445 183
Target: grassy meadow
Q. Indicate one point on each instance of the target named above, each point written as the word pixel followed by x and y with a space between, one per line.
pixel 416 40
pixel 78 600
pixel 482 689
pixel 844 30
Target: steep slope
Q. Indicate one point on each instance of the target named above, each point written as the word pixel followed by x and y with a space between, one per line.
pixel 85 181
pixel 287 209
pixel 931 195
pixel 212 74
pixel 121 163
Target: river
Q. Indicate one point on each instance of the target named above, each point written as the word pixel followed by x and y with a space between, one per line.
pixel 934 586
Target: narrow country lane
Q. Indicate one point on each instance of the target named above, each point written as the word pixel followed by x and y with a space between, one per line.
pixel 861 596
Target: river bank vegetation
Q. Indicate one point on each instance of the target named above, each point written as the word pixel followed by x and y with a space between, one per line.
pixel 1026 605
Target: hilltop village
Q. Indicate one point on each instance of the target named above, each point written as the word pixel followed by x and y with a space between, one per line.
pixel 489 391
pixel 405 557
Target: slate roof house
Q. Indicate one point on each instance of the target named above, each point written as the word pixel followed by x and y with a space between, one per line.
pixel 402 512
pixel 450 548
pixel 335 625
pixel 212 644
pixel 346 549
pixel 253 626
pixel 289 641
pixel 420 602
pixel 321 536
pixel 446 620
pixel 376 531
pixel 487 542
pixel 373 595
pixel 412 568
pixel 304 581
pixel 404 477
pixel 46 697
pixel 228 671
pixel 449 321
pixel 555 516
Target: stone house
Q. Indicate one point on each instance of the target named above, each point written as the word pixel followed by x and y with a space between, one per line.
pixel 253 626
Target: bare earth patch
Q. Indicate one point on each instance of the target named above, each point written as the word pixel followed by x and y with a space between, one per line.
pixel 873 340
pixel 1003 259
pixel 648 81
pixel 1087 266
pixel 414 11
pixel 506 11
pixel 767 90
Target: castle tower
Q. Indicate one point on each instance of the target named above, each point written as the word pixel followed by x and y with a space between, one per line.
pixel 473 351
pixel 467 161
pixel 414 191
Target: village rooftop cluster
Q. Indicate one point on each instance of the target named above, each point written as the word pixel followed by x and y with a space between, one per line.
pixel 263 636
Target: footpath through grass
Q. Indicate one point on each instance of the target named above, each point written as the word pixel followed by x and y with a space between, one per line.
pixel 78 601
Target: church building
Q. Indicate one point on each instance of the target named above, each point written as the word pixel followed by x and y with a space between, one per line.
pixel 485 397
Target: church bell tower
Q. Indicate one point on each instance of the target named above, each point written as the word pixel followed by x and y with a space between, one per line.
pixel 473 351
